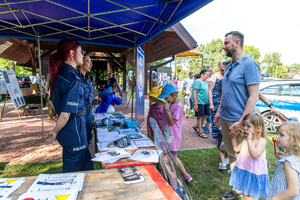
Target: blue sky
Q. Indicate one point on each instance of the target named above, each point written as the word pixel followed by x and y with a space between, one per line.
pixel 269 25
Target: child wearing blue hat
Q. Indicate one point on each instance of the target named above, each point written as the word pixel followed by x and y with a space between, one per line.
pixel 172 123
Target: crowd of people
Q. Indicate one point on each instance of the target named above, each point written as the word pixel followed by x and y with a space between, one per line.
pixel 228 97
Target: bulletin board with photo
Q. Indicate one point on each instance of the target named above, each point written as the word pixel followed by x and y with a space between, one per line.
pixel 13 88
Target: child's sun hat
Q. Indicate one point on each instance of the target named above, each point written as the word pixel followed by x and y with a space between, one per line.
pixel 168 89
pixel 155 92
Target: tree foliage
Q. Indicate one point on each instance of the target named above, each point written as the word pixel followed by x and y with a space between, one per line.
pixel 252 52
pixel 273 61
pixel 19 70
pixel 294 68
pixel 5 63
pixel 182 74
pixel 212 54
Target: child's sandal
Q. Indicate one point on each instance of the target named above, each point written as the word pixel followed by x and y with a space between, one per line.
pixel 202 135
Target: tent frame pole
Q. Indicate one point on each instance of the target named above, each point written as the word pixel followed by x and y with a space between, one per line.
pixel 133 78
pixel 40 72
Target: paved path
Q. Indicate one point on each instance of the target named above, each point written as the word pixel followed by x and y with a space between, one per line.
pixel 22 142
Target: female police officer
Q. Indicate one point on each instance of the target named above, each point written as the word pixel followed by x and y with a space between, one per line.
pixel 67 96
pixel 88 93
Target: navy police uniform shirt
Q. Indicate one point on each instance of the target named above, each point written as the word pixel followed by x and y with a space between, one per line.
pixel 88 98
pixel 68 96
pixel 88 89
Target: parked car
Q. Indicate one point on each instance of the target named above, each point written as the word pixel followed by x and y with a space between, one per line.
pixel 23 80
pixel 285 96
pixel 3 89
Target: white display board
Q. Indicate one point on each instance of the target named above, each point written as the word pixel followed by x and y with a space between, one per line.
pixel 13 88
pixel 36 80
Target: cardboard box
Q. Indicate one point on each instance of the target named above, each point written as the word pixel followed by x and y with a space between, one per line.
pixel 26 91
pixel 34 86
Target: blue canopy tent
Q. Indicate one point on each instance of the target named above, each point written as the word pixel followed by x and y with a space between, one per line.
pixel 117 23
pixel 104 22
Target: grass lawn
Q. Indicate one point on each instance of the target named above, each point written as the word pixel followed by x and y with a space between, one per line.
pixel 202 164
pixel 208 182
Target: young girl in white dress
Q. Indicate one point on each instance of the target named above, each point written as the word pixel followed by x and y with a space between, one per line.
pixel 285 182
pixel 250 174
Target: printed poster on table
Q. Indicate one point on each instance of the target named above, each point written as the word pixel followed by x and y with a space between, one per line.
pixel 140 76
pixel 13 88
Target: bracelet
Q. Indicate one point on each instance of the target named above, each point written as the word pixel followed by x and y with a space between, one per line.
pixel 168 110
pixel 270 105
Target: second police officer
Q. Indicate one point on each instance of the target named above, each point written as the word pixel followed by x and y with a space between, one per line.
pixel 67 95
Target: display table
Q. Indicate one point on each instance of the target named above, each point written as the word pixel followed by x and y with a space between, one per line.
pixel 125 162
pixel 108 184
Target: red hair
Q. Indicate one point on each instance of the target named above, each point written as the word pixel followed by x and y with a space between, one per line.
pixel 62 54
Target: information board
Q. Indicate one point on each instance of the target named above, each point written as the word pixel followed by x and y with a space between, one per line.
pixel 13 88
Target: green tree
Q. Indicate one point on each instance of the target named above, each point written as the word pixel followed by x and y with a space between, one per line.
pixel 194 63
pixel 212 54
pixel 5 63
pixel 282 71
pixel 19 70
pixel 252 52
pixel 182 74
pixel 273 61
pixel 294 68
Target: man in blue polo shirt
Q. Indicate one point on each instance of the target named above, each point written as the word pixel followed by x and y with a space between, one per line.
pixel 240 94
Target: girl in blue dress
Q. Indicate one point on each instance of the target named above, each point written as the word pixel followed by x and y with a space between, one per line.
pixel 250 173
pixel 285 182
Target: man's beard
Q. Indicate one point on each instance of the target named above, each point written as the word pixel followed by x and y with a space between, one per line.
pixel 230 52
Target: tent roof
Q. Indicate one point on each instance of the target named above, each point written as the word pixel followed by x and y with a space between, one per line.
pixel 170 42
pixel 103 22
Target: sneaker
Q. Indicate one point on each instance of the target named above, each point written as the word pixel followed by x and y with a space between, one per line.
pixel 222 166
pixel 192 110
pixel 188 178
pixel 206 130
pixel 229 171
pixel 232 194
pixel 227 161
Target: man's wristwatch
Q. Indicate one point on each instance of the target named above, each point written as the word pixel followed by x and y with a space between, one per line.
pixel 270 105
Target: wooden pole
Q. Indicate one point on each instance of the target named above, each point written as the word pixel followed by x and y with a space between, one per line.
pixel 19 114
pixel 41 88
pixel 4 104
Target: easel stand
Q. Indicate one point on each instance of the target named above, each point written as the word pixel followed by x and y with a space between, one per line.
pixel 18 109
pixel 129 100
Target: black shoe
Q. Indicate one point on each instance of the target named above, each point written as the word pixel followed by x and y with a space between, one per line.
pixel 232 194
pixel 195 128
